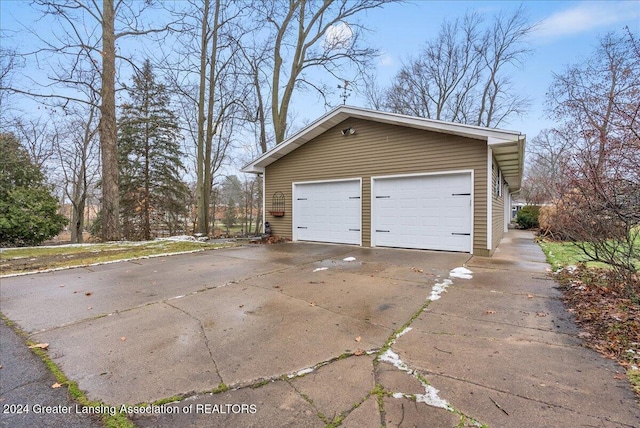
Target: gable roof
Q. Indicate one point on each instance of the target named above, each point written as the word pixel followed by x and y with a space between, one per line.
pixel 508 146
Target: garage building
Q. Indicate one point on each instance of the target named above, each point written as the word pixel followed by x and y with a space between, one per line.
pixel 376 179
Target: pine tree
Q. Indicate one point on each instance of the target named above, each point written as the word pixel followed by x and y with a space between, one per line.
pixel 152 192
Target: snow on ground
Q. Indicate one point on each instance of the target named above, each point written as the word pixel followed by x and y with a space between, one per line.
pixel 461 272
pixel 349 259
pixel 430 396
pixel 403 332
pixel 320 268
pixel 439 288
pixel 178 238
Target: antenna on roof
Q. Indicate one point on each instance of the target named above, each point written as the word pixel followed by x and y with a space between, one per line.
pixel 346 91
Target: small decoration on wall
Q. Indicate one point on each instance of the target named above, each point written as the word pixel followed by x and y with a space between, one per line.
pixel 277 205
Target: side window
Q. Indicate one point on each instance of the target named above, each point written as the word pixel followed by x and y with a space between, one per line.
pixel 497 181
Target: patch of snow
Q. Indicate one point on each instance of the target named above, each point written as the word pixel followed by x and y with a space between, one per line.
pixel 178 238
pixel 403 332
pixel 305 371
pixel 392 358
pixel 439 288
pixel 349 259
pixel 461 272
pixel 319 269
pixel 301 373
pixel 431 398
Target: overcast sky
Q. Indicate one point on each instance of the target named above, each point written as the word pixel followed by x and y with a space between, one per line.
pixel 567 32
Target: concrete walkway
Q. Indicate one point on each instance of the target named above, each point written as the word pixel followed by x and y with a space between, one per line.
pixel 395 339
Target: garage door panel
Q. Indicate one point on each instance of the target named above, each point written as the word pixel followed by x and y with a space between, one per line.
pixel 426 212
pixel 328 212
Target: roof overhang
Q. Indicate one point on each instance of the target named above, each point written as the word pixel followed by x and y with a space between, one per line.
pixel 508 146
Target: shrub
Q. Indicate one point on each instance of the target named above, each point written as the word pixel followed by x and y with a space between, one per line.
pixel 527 217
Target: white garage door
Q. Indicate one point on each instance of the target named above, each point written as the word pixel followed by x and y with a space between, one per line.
pixel 327 212
pixel 427 212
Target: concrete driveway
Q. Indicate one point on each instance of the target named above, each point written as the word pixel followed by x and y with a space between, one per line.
pixel 143 330
pixel 295 335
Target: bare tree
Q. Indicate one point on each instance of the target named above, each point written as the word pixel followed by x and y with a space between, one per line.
pixel 256 59
pixel 545 178
pixel 77 156
pixel 310 34
pixel 373 92
pixel 506 45
pixel 597 105
pixel 8 63
pixel 36 138
pixel 460 76
pixel 86 43
pixel 204 71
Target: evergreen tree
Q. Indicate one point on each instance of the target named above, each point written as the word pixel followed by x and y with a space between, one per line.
pixel 28 210
pixel 152 192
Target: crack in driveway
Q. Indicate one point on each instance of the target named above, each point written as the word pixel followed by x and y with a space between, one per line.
pixel 204 334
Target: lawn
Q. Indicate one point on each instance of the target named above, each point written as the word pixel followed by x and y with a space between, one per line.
pixel 34 259
pixel 562 254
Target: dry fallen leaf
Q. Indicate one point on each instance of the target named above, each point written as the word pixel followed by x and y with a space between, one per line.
pixel 358 339
pixel 620 376
pixel 489 312
pixel 123 338
pixel 241 306
pixel 359 352
pixel 56 385
pixel 40 345
pixel 530 296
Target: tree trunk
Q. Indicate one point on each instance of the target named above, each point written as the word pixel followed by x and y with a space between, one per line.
pixel 202 218
pixel 108 129
pixel 211 129
pixel 78 204
pixel 147 179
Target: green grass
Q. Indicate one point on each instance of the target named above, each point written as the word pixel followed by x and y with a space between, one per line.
pixel 562 254
pixel 634 378
pixel 33 259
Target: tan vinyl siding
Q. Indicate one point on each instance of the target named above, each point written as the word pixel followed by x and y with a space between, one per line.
pixel 376 150
pixel 497 210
